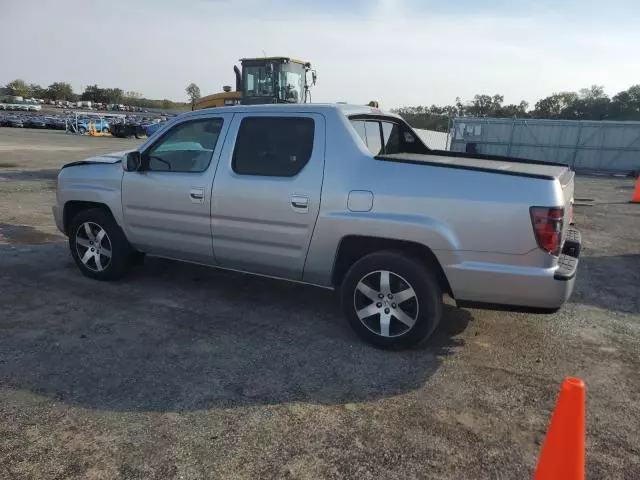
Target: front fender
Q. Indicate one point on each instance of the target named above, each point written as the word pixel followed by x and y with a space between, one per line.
pixel 97 183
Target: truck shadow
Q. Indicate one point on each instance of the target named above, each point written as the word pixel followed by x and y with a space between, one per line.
pixel 178 337
pixel 610 282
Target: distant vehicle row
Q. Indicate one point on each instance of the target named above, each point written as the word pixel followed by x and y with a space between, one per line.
pixel 25 107
pixel 126 127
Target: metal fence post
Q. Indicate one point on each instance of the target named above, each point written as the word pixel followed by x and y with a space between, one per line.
pixel 575 149
pixel 513 128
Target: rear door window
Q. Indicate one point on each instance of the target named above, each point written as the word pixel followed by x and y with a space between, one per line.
pixel 273 146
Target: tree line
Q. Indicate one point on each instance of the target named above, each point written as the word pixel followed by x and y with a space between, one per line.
pixel 587 104
pixel 63 91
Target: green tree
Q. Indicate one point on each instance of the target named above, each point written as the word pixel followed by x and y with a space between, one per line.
pixel 556 105
pixel 485 105
pixel 36 91
pixel 112 95
pixel 626 104
pixel 512 110
pixel 60 91
pixel 193 92
pixel 93 93
pixel 18 88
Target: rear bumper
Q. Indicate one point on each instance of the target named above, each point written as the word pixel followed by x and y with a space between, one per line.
pixel 528 289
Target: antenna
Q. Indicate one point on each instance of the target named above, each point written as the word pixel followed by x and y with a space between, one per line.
pixel 264 53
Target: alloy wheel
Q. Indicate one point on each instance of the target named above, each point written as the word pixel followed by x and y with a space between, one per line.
pixel 386 303
pixel 93 246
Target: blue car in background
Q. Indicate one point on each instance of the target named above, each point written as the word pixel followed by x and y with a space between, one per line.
pixel 100 124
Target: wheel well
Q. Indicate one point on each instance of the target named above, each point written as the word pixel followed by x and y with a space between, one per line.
pixel 74 207
pixel 354 247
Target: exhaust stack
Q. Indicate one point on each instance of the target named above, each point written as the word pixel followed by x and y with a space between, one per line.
pixel 238 78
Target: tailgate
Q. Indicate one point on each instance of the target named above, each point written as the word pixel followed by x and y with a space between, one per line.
pixel 567 182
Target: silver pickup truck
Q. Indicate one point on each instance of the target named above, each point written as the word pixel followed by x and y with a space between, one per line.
pixel 338 196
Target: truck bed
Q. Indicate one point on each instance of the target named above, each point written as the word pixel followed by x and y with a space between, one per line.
pixel 485 163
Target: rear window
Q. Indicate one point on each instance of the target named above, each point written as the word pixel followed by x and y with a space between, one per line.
pixel 387 137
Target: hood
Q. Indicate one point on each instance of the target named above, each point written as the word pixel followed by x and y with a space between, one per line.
pixel 107 158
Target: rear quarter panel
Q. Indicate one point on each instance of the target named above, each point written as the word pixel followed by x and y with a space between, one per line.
pixel 461 215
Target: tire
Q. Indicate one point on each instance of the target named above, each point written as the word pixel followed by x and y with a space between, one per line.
pixel 418 305
pixel 99 265
pixel 82 130
pixel 105 130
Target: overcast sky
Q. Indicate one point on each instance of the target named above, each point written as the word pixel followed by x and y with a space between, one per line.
pixel 399 52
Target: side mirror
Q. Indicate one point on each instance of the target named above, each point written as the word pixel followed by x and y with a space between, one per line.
pixel 133 161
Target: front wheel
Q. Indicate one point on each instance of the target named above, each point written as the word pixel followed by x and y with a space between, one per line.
pixel 98 245
pixel 105 130
pixel 391 299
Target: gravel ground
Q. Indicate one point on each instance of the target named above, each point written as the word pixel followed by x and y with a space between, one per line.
pixel 186 372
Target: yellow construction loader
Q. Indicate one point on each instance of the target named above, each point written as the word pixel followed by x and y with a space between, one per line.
pixel 265 80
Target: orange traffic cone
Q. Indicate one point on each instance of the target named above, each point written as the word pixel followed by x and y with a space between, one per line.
pixel 635 197
pixel 563 450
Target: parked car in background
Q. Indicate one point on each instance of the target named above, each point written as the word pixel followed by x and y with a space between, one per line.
pixel 101 125
pixel 34 122
pixel 127 130
pixel 55 123
pixel 13 122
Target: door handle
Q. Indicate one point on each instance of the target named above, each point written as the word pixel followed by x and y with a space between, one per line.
pixel 300 203
pixel 197 195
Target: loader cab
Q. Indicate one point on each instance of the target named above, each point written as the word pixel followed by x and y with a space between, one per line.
pixel 275 80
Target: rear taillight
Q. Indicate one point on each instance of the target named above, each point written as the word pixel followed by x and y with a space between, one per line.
pixel 547 227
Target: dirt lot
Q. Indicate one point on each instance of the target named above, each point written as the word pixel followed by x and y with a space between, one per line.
pixel 185 372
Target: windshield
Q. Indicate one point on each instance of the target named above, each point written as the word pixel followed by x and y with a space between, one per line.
pixel 258 83
pixel 291 83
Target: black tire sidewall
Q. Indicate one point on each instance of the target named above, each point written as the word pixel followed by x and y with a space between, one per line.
pixel 121 250
pixel 427 288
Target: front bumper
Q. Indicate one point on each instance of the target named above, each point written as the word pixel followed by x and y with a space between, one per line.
pixel 57 217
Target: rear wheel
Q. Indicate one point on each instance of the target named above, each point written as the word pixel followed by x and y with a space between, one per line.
pixel 82 130
pixel 105 130
pixel 391 300
pixel 98 245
